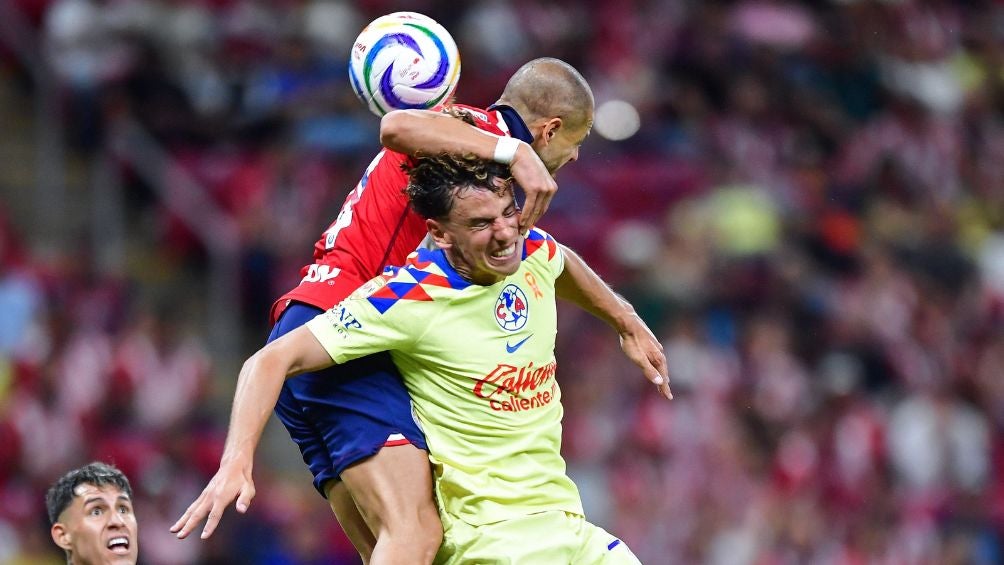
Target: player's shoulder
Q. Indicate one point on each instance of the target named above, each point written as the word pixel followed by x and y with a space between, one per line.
pixel 424 278
pixel 539 245
pixel 483 119
pixel 387 160
pixel 386 166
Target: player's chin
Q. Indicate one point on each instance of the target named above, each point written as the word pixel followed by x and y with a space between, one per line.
pixel 503 266
pixel 121 559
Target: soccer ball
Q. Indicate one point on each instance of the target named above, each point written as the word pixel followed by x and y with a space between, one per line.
pixel 404 60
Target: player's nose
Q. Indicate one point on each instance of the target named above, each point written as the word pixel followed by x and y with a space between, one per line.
pixel 507 228
pixel 117 520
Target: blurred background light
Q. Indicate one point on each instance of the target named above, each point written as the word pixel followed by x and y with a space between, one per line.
pixel 616 120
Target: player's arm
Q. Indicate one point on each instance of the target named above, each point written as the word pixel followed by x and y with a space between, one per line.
pixel 579 284
pixel 258 388
pixel 425 132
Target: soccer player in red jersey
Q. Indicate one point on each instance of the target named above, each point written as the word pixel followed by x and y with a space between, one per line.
pixel 343 418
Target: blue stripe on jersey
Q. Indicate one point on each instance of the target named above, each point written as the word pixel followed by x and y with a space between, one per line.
pixel 366 177
pixel 382 304
pixel 613 544
pixel 439 258
pixel 386 296
pixel 418 274
pixel 401 288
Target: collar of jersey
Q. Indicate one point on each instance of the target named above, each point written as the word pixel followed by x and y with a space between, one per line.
pixel 436 256
pixel 517 127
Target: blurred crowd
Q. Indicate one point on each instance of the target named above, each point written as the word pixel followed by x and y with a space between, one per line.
pixel 810 216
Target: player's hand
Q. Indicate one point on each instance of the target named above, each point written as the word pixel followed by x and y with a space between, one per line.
pixel 538 185
pixel 233 480
pixel 642 347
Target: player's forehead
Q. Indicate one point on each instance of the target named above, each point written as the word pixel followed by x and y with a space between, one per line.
pixel 87 492
pixel 471 203
pixel 577 133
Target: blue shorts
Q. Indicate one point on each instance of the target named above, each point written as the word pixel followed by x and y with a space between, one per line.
pixel 345 413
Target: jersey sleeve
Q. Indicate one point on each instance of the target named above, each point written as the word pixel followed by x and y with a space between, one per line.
pixel 358 327
pixel 542 249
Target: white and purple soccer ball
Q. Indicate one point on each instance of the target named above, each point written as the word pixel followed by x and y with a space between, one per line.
pixel 404 60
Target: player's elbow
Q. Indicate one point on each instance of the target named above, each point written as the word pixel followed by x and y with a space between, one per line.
pixel 394 127
pixel 406 131
pixel 270 362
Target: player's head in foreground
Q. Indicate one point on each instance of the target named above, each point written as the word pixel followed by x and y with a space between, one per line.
pixel 471 213
pixel 90 509
pixel 556 103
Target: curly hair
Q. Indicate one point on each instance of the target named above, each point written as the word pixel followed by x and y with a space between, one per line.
pixel 434 182
pixel 61 494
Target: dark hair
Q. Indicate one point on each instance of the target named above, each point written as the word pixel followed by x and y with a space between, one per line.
pixel 434 182
pixel 61 493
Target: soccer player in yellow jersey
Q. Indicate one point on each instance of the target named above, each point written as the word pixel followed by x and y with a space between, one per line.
pixel 471 326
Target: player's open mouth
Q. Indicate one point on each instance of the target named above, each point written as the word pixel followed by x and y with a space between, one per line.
pixel 119 545
pixel 505 253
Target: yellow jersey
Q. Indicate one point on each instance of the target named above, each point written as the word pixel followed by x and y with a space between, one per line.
pixel 479 364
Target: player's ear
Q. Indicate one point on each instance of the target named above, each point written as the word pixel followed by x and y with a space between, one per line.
pixel 439 235
pixel 550 129
pixel 61 535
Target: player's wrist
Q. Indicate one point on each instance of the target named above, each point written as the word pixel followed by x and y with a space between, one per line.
pixel 241 456
pixel 627 322
pixel 505 150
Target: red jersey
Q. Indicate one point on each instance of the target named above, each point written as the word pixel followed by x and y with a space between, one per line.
pixel 376 226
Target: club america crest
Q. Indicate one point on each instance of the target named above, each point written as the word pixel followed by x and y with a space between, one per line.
pixel 511 308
